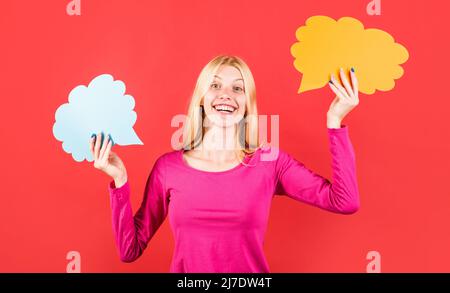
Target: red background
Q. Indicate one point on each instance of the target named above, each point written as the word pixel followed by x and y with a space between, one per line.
pixel 51 205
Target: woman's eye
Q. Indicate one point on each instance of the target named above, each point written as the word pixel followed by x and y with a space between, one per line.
pixel 238 89
pixel 214 86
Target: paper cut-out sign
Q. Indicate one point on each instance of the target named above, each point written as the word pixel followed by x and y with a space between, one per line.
pixel 325 45
pixel 102 106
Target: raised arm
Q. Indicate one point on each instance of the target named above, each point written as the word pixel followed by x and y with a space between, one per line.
pixel 300 183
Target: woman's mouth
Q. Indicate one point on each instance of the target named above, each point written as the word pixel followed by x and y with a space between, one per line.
pixel 224 109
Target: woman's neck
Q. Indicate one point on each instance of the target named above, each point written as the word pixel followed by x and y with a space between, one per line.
pixel 219 144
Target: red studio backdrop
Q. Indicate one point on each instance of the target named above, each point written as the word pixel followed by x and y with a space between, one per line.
pixel 52 205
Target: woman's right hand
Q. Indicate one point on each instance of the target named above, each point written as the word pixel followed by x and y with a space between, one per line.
pixel 106 160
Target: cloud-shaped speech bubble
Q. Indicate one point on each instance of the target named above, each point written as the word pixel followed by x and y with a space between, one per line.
pixel 324 45
pixel 102 106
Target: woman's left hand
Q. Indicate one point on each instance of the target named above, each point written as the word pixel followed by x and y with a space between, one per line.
pixel 346 98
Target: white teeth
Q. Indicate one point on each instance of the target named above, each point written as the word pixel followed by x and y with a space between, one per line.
pixel 224 108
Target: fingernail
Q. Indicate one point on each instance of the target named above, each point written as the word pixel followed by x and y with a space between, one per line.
pixel 330 82
pixel 103 137
pixel 110 138
pixel 353 70
pixel 93 135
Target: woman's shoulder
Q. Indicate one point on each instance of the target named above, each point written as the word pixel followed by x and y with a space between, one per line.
pixel 168 156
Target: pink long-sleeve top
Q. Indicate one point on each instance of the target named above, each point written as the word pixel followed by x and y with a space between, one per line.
pixel 219 219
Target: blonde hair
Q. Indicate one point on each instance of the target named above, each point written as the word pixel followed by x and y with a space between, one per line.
pixel 247 136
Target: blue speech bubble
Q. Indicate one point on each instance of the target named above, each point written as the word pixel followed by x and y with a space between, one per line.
pixel 102 106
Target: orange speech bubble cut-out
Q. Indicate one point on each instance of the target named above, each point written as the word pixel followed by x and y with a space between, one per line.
pixel 325 45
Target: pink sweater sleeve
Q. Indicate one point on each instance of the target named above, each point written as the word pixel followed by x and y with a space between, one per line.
pixel 300 183
pixel 132 234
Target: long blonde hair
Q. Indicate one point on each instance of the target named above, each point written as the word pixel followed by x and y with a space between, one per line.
pixel 247 136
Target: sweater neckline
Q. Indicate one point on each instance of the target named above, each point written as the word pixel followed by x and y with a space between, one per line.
pixel 190 168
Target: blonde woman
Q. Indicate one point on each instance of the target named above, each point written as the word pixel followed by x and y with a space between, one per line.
pixel 217 189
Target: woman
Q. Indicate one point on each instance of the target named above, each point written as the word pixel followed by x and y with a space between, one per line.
pixel 218 187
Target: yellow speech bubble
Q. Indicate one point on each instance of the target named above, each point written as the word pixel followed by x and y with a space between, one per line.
pixel 325 45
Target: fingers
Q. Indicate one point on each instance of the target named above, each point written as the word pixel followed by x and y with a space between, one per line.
pixel 354 82
pixel 91 144
pixel 346 83
pixel 335 90
pixel 108 149
pixel 106 141
pixel 342 92
pixel 98 141
pixel 100 146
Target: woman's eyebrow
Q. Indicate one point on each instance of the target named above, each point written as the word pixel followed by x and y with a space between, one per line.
pixel 233 80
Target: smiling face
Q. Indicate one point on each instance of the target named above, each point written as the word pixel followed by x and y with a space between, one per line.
pixel 225 101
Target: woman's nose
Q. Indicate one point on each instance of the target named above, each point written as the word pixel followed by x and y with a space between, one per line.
pixel 224 97
pixel 226 93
